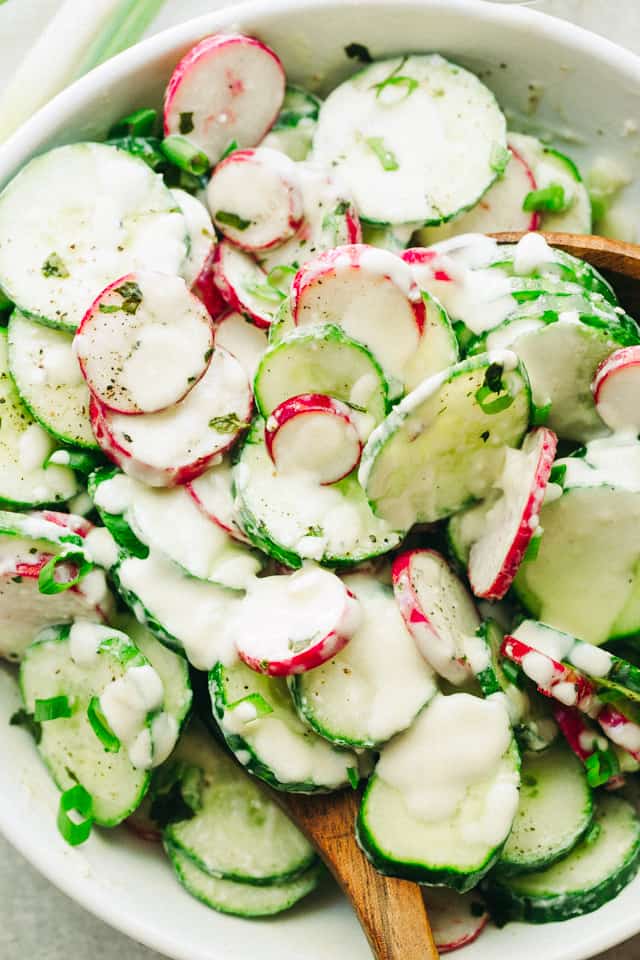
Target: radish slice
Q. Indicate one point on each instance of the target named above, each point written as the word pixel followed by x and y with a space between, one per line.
pixel 499 209
pixel 241 338
pixel 313 434
pixel 213 493
pixel 144 343
pixel 616 389
pixel 255 198
pixel 585 741
pixel 620 729
pixel 178 444
pixel 71 521
pixel 368 292
pixel 291 624
pixel 330 220
pixel 437 610
pixel 514 519
pixel 552 678
pixel 456 919
pixel 197 269
pixel 244 285
pixel 228 88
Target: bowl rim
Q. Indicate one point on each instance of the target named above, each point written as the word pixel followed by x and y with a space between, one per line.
pixel 46 121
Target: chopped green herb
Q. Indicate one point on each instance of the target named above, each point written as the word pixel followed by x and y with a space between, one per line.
pixel 354 777
pixel 146 148
pixel 232 146
pixel 358 51
pixel 540 415
pixel 79 801
pixel 499 158
pixel 54 267
pixel 316 531
pixel 551 199
pixel 533 546
pixel 208 355
pixel 512 672
pixel 231 220
pixel 601 766
pixel 280 274
pixel 49 583
pixel 22 718
pixel 140 123
pixel 558 473
pixel 53 708
pixel 185 124
pixel 266 292
pixel 257 701
pixel 100 726
pixel 184 154
pixel 396 79
pixel 493 377
pixel 228 423
pixel 131 296
pixel 386 156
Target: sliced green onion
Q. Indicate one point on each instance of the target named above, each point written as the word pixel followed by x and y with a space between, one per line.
pixel 533 546
pixel 540 414
pixel 279 274
pixel 386 156
pixel 47 582
pixel 184 154
pixel 230 148
pixel 395 79
pixel 124 535
pixel 100 727
pixel 492 406
pixel 558 473
pixel 512 672
pixel 75 800
pixel 266 292
pixel 146 148
pixel 354 777
pixel 262 707
pixel 499 158
pixel 231 219
pixel 551 199
pixel 53 708
pixel 140 123
pixel 126 27
pixel 82 461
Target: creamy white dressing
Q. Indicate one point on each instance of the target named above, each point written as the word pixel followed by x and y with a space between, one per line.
pixel 613 460
pixel 246 342
pixel 531 253
pixel 85 639
pixel 101 548
pixel 456 744
pixel 201 234
pixel 34 447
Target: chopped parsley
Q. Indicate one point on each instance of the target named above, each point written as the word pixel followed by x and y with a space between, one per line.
pixel 131 299
pixel 396 79
pixel 231 220
pixel 228 423
pixel 186 122
pixel 54 266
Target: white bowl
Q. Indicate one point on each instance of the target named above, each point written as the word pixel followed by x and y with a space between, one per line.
pixel 588 92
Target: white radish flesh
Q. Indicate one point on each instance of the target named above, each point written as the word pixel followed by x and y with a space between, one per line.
pixel 246 342
pixel 514 519
pixel 616 390
pixel 144 343
pixel 456 919
pixel 201 234
pixel 213 493
pixel 437 610
pixel 255 198
pixel 228 88
pixel 290 624
pixel 313 434
pixel 371 294
pixel 178 444
pixel 244 285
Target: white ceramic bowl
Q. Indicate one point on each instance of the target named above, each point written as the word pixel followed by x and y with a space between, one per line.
pixel 586 89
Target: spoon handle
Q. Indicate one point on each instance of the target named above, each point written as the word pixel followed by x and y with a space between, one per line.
pixel 391 912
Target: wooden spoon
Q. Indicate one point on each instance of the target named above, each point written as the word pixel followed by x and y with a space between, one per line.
pixel 619 261
pixel 391 912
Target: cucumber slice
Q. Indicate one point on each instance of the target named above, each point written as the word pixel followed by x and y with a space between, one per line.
pixel 394 237
pixel 292 133
pixel 237 831
pixel 376 685
pixel 169 521
pixel 561 346
pixel 77 217
pixel 594 872
pixel 60 663
pixel 322 360
pixel 443 445
pixel 47 374
pixel 392 179
pixel 24 449
pixel 584 578
pixel 291 517
pixel 444 819
pixel 261 727
pixel 438 346
pixel 552 168
pixel 559 266
pixel 240 899
pixel 188 615
pixel 555 811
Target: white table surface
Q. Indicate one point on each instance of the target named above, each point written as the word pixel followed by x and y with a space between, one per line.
pixel 36 921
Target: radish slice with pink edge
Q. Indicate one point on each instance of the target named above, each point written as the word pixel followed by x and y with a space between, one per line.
pixel 287 625
pixel 244 285
pixel 197 268
pixel 144 343
pixel 552 678
pixel 313 434
pixel 241 338
pixel 513 520
pixel 501 208
pixel 255 198
pixel 228 88
pixel 616 390
pixel 437 609
pixel 178 444
pixel 371 294
pixel 213 493
pixel 584 740
pixel 622 731
pixel 71 521
pixel 457 919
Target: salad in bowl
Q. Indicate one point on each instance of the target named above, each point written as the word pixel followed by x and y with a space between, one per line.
pixel 309 484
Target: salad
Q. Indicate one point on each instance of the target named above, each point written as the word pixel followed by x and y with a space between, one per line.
pixel 307 482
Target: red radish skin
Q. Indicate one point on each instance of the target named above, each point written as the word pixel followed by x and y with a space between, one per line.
pixel 423 256
pixel 620 730
pixel 611 375
pixel 536 217
pixel 283 180
pixel 582 738
pixel 453 923
pixel 143 829
pixel 205 289
pixel 78 525
pixel 230 292
pixel 316 272
pixel 421 628
pixel 543 443
pixel 252 78
pixel 309 404
pixel 217 507
pixel 561 681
